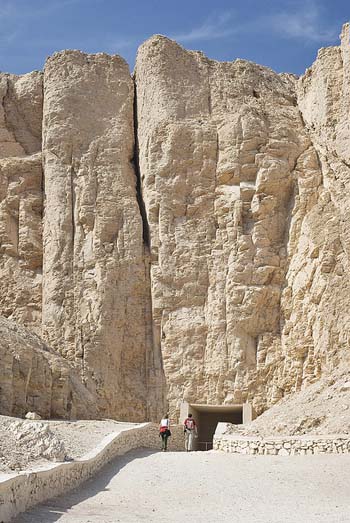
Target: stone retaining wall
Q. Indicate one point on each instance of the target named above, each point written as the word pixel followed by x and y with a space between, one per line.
pixel 20 491
pixel 282 446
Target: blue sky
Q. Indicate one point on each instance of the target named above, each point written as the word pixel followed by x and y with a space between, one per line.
pixel 284 35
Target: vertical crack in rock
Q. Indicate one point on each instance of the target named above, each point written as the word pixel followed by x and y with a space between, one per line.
pixel 197 250
pixel 72 204
pixel 155 376
pixel 4 104
pixel 216 294
pixel 96 311
pixel 209 91
pixel 136 163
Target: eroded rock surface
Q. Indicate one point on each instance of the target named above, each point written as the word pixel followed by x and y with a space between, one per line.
pixel 21 198
pixel 96 302
pixel 222 148
pixel 196 250
pixel 316 299
pixel 20 114
pixel 21 239
pixel 34 377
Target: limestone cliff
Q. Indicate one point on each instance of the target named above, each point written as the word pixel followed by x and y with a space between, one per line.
pixel 195 240
pixel 222 147
pixel 21 198
pixel 95 295
pixel 316 299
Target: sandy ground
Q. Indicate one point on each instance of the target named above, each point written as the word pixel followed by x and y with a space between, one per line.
pixel 208 487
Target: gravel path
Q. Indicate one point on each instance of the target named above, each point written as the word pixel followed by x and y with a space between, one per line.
pixel 208 487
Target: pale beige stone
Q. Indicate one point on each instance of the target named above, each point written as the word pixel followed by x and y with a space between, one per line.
pixel 21 198
pixel 35 378
pixel 21 100
pixel 32 416
pixel 21 239
pixel 220 275
pixel 221 148
pixel 96 298
pixel 316 299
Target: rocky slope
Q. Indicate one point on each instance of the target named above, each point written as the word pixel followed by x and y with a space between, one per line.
pixel 321 408
pixel 188 239
pixel 24 443
pixel 35 378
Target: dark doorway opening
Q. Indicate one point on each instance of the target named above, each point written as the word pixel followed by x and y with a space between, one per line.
pixel 207 418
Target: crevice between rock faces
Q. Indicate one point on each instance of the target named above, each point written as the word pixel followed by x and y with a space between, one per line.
pixel 136 163
pixel 5 103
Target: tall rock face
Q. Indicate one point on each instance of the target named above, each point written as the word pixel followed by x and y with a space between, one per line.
pixel 21 198
pixel 95 295
pixel 222 146
pixel 316 299
pixel 195 248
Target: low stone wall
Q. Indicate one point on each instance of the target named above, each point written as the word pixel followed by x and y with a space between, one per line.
pixel 281 446
pixel 20 491
pixel 176 442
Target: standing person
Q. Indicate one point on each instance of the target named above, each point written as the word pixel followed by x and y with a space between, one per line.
pixel 164 432
pixel 190 431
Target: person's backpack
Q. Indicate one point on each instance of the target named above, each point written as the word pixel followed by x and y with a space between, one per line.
pixel 164 425
pixel 190 423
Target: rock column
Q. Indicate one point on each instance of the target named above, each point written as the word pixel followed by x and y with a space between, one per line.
pixel 95 294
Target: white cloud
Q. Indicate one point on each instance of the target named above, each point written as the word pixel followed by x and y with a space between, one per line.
pixel 17 12
pixel 6 10
pixel 8 31
pixel 302 22
pixel 15 16
pixel 214 27
pixel 51 7
pixel 114 45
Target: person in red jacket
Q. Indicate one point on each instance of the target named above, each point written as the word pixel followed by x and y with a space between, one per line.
pixel 190 431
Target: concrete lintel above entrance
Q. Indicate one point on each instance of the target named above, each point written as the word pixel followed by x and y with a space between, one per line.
pixel 248 413
pixel 201 407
